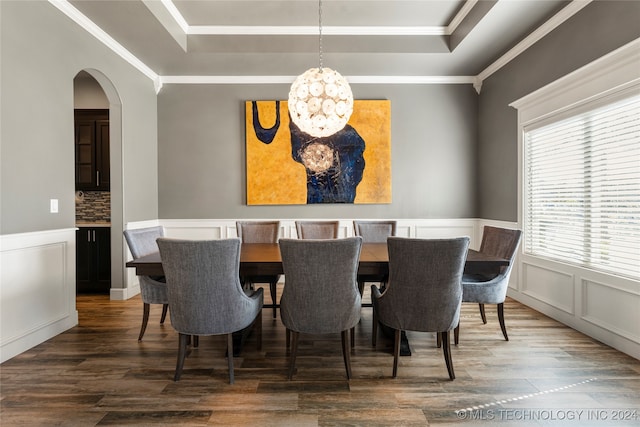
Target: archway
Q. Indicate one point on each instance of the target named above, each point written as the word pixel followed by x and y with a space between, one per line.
pixel 117 290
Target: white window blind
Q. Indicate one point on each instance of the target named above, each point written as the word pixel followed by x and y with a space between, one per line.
pixel 582 195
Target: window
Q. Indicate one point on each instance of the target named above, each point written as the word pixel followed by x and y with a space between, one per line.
pixel 582 186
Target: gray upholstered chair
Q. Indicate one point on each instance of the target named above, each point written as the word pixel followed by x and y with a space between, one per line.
pixel 424 292
pixel 141 242
pixel 484 289
pixel 373 232
pixel 317 229
pixel 260 232
pixel 205 294
pixel 320 294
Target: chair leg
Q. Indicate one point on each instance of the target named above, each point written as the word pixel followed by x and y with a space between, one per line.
pixel 145 319
pixel 361 287
pixel 258 328
pixel 294 352
pixel 438 340
pixel 446 349
pixel 288 337
pixel 247 285
pixel 272 289
pixel 484 316
pixel 230 356
pixel 374 332
pixel 164 313
pixel 196 341
pixel 501 319
pixel 346 352
pixel 456 334
pixel 183 341
pixel 396 351
pixel 353 337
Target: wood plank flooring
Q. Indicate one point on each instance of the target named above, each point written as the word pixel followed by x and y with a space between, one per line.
pixel 98 374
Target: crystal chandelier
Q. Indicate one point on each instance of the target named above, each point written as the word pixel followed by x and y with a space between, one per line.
pixel 320 99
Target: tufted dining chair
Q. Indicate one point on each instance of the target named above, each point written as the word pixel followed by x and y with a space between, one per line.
pixel 424 292
pixel 317 229
pixel 205 294
pixel 153 290
pixel 483 288
pixel 260 232
pixel 373 232
pixel 320 294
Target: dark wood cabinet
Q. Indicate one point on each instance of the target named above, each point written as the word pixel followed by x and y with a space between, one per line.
pixel 93 260
pixel 92 150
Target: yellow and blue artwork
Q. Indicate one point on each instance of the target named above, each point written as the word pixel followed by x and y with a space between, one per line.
pixel 287 166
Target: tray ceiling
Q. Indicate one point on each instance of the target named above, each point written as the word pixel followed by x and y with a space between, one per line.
pixel 280 38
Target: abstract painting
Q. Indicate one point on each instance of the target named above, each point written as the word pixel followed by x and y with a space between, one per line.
pixel 287 166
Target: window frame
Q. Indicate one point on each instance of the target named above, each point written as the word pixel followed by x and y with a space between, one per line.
pixel 613 76
pixel 587 256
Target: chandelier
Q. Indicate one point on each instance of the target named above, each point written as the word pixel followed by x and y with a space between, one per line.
pixel 320 99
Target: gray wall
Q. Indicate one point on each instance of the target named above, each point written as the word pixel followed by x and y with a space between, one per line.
pixel 42 51
pixel 201 153
pixel 200 129
pixel 593 32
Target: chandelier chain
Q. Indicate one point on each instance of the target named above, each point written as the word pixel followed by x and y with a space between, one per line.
pixel 320 34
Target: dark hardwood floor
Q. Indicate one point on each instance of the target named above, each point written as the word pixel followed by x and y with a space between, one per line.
pixel 99 374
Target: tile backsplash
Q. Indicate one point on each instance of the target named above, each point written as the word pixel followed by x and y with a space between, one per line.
pixel 93 206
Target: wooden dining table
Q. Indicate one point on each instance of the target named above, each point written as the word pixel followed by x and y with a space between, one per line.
pixel 263 259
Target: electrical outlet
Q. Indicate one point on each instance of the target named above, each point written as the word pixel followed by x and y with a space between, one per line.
pixel 54 206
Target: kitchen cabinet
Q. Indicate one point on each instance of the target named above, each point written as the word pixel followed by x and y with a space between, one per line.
pixel 93 260
pixel 92 150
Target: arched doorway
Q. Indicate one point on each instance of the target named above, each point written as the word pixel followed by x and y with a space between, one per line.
pixel 106 95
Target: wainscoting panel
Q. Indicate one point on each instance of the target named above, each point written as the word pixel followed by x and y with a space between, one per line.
pixel 552 287
pixel 196 233
pixel 600 305
pixel 37 296
pixel 439 231
pixel 624 320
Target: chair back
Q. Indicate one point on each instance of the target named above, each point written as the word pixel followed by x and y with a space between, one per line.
pixel 491 288
pixel 320 293
pixel 424 291
pixel 203 285
pixel 317 229
pixel 258 231
pixel 142 241
pixel 502 242
pixel 374 231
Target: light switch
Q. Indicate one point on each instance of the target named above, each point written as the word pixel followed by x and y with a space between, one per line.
pixel 54 205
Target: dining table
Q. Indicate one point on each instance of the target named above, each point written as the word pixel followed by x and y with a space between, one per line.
pixel 263 259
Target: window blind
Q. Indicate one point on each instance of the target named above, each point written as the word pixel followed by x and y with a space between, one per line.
pixel 582 195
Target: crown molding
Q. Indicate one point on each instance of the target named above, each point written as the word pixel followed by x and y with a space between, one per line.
pixel 567 12
pixel 265 30
pixel 223 80
pixel 466 8
pixel 88 25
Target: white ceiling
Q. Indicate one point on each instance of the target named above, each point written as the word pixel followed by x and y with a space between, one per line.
pixel 391 38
